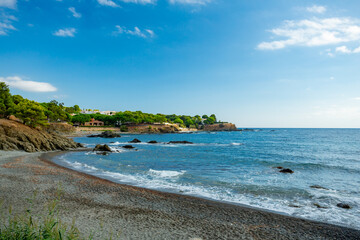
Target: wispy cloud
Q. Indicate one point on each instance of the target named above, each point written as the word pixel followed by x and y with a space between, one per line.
pixel 28 86
pixel 346 50
pixel 8 3
pixel 107 3
pixel 6 23
pixel 316 9
pixel 314 32
pixel 74 13
pixel 140 1
pixel 193 2
pixel 146 33
pixel 66 32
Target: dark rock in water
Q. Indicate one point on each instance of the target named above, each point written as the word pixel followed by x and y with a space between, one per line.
pixel 343 205
pixel 128 147
pixel 135 140
pixel 294 206
pixel 318 205
pixel 102 153
pixel 102 148
pixel 180 142
pixel 79 145
pixel 106 134
pixel 319 187
pixel 153 142
pixel 279 167
pixel 286 170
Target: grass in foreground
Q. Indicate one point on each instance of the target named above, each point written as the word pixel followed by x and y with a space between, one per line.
pixel 29 226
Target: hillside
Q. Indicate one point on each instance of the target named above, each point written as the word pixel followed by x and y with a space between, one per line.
pixel 17 136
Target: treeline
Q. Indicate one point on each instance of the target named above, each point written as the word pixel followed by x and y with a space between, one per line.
pixel 33 113
pixel 138 117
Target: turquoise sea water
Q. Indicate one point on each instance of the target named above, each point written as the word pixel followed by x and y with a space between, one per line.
pixel 238 167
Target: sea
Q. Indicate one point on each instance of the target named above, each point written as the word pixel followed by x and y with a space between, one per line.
pixel 241 168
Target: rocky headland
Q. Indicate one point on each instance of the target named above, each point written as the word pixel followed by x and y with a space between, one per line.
pixel 17 136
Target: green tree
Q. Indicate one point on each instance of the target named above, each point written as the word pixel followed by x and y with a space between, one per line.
pixel 31 113
pixel 6 101
pixel 179 121
pixel 80 118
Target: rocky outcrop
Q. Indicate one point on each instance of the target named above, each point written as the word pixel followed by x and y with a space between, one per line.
pixel 102 148
pixel 128 147
pixel 106 134
pixel 220 127
pixel 152 142
pixel 61 128
pixel 16 136
pixel 135 140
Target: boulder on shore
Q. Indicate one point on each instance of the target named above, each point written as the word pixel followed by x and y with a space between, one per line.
pixel 135 140
pixel 286 170
pixel 180 142
pixel 106 134
pixel 102 148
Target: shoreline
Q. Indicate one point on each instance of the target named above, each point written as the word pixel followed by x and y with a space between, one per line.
pixel 164 214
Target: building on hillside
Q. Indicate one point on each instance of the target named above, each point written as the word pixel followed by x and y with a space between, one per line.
pixel 94 122
pixel 110 113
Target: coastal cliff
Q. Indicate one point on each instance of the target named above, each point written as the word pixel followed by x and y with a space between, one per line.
pixel 220 127
pixel 17 136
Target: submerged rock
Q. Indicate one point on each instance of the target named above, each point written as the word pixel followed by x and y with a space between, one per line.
pixel 128 147
pixel 319 206
pixel 102 153
pixel 152 142
pixel 343 205
pixel 102 148
pixel 180 142
pixel 135 140
pixel 106 134
pixel 319 187
pixel 286 170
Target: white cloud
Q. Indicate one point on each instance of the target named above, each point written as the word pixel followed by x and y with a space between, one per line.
pixel 28 86
pixel 66 32
pixel 5 27
pixel 356 98
pixel 316 9
pixel 8 3
pixel 343 49
pixel 314 32
pixel 107 3
pixel 73 11
pixel 346 50
pixel 147 33
pixel 193 2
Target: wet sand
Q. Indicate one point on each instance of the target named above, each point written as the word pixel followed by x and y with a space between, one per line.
pixel 100 207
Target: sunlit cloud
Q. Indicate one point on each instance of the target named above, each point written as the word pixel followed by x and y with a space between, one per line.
pixel 28 86
pixel 314 32
pixel 316 9
pixel 66 32
pixel 74 13
pixel 8 3
pixel 146 33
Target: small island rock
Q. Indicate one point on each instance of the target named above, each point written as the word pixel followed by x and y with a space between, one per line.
pixel 106 134
pixel 286 170
pixel 180 142
pixel 128 147
pixel 135 140
pixel 152 142
pixel 102 148
pixel 343 205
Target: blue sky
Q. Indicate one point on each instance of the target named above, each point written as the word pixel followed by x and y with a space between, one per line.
pixel 256 63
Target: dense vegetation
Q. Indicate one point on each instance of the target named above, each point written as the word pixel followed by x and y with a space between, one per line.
pixel 33 113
